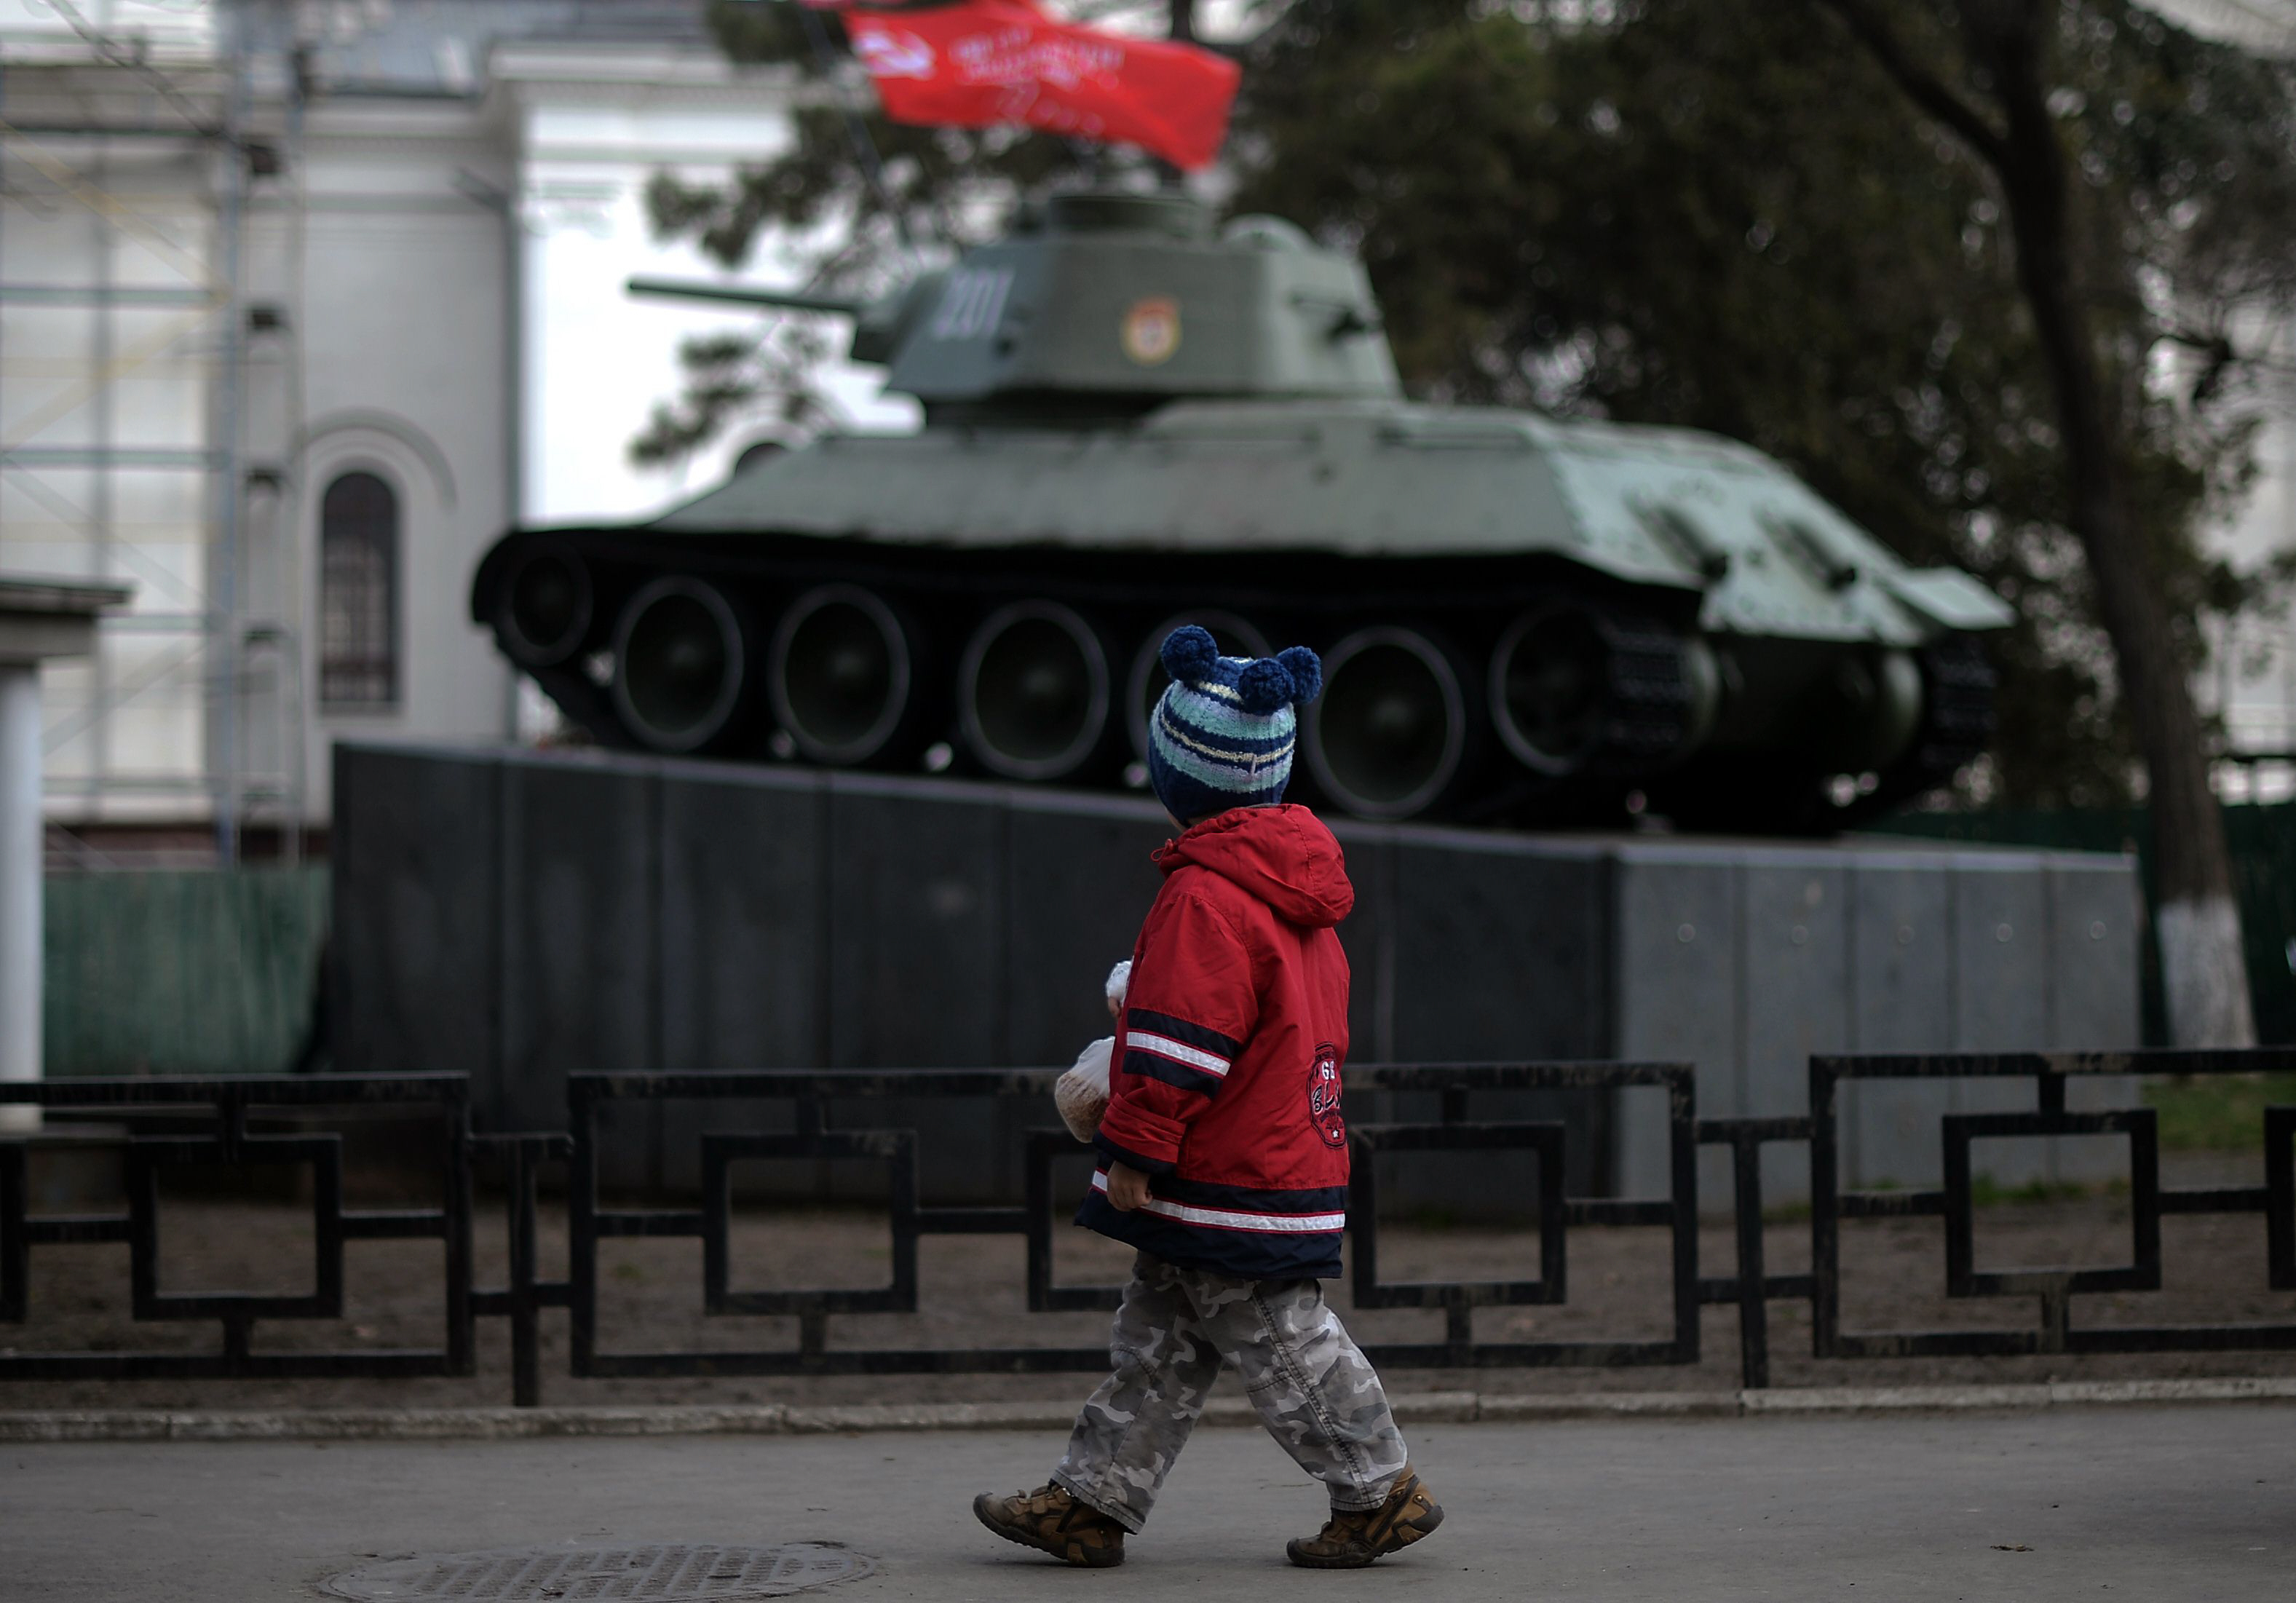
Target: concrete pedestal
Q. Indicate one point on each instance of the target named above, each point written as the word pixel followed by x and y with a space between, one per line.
pixel 522 914
pixel 40 619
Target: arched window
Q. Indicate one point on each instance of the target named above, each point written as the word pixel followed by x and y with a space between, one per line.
pixel 359 593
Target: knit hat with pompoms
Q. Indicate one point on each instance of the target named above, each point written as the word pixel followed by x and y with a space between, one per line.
pixel 1222 732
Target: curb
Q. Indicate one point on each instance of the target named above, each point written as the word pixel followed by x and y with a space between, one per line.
pixel 774 1418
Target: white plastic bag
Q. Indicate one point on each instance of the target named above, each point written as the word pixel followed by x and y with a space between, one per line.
pixel 1082 1093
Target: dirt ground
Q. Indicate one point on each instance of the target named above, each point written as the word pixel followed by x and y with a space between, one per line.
pixel 971 1293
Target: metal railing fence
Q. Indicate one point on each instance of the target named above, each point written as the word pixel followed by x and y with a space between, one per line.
pixel 226 1120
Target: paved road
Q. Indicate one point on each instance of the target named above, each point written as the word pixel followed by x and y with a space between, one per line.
pixel 2163 1504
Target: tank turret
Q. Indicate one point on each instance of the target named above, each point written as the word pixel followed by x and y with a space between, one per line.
pixel 1134 417
pixel 1020 330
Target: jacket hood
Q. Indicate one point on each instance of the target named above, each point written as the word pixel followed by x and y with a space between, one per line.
pixel 1282 855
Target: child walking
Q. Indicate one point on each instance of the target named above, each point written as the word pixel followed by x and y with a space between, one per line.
pixel 1224 1155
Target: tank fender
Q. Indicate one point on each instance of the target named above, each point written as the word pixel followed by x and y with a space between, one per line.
pixel 1948 598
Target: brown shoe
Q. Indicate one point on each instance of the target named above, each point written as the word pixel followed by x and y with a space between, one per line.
pixel 1051 1521
pixel 1354 1537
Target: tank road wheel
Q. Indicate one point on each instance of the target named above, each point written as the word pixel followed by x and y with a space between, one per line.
pixel 1234 637
pixel 542 613
pixel 1574 690
pixel 679 664
pixel 1386 738
pixel 1550 676
pixel 1032 690
pixel 837 674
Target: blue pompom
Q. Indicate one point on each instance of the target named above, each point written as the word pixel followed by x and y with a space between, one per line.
pixel 1306 671
pixel 1263 685
pixel 1189 654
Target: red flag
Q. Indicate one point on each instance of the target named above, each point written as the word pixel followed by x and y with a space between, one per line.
pixel 979 63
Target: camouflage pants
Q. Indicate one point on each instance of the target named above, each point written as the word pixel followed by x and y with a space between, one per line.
pixel 1315 1391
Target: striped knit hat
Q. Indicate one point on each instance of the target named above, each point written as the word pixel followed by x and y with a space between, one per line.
pixel 1221 734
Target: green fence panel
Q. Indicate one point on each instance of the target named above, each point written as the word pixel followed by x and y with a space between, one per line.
pixel 2262 841
pixel 181 974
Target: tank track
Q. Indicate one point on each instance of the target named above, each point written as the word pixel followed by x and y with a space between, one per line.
pixel 1648 695
pixel 1958 723
pixel 1638 709
pixel 1646 720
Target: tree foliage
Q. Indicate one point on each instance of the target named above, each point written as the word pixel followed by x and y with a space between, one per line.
pixel 1720 214
pixel 864 199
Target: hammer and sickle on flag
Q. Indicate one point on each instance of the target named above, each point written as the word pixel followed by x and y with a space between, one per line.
pixel 984 63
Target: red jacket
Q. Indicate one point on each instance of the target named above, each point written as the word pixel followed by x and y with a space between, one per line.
pixel 1227 1083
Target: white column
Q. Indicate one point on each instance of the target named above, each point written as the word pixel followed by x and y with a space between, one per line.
pixel 19 882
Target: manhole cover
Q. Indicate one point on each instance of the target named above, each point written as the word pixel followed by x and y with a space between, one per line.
pixel 662 1571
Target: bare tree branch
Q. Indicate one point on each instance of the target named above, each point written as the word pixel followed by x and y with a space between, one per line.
pixel 2218 359
pixel 1920 86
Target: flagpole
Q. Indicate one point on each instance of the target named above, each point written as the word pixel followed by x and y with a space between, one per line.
pixel 1181 29
pixel 857 130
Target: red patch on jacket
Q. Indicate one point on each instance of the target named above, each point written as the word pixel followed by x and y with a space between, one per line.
pixel 1323 1096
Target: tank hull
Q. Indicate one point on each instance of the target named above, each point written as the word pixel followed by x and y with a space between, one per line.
pixel 1542 643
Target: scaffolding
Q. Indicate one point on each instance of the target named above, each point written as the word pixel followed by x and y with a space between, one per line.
pixel 151 211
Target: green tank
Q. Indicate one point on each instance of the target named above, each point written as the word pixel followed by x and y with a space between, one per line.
pixel 1137 417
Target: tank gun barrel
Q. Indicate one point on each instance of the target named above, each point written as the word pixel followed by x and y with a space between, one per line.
pixel 791 301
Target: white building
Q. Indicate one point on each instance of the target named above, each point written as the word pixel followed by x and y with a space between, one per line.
pixel 302 302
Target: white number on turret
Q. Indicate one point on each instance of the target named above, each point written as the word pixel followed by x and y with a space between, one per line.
pixel 972 305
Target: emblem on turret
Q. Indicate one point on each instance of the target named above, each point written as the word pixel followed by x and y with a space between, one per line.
pixel 1152 330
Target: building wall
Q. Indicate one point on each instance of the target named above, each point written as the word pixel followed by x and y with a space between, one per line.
pixel 407 334
pixel 447 250
pixel 83 373
pixel 108 254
